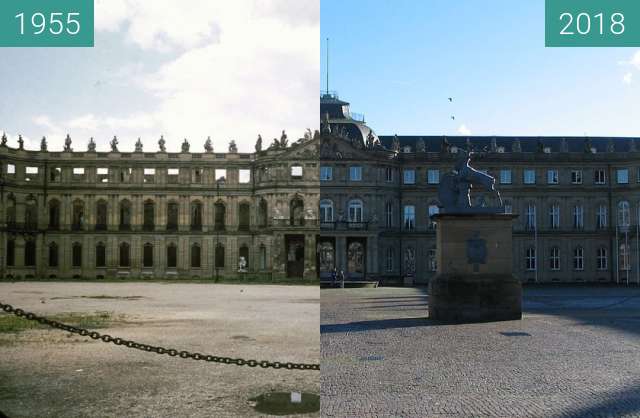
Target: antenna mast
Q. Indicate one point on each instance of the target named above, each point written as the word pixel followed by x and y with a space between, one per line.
pixel 327 66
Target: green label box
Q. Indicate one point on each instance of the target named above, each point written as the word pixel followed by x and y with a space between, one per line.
pixel 592 23
pixel 46 23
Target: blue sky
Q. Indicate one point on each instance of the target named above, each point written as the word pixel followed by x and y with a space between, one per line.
pixel 229 70
pixel 398 62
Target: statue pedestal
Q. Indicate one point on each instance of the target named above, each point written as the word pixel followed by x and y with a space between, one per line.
pixel 475 281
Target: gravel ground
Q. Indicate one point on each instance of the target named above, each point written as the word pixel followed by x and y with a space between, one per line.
pixel 48 373
pixel 576 353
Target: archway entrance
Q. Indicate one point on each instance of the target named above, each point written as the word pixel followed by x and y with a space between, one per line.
pixel 295 255
pixel 356 257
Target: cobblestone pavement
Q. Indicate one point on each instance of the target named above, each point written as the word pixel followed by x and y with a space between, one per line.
pixel 50 373
pixel 576 353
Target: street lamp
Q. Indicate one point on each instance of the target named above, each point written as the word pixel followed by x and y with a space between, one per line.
pixel 219 181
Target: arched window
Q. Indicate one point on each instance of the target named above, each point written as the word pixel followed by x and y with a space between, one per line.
pixel 244 252
pixel 196 216
pixel 77 223
pixel 263 213
pixel 30 253
pixel 195 256
pixel 602 258
pixel 391 257
pixel 623 257
pixel 101 255
pixel 11 252
pixel 147 255
pixel 530 217
pixel 11 212
pixel 530 259
pixel 220 216
pixel 219 258
pixel 296 212
pixel 578 258
pixel 172 256
pixel 31 214
pixel 578 217
pixel 54 214
pixel 355 210
pixel 172 216
pixel 624 214
pixel 433 260
pixel 125 255
pixel 409 217
pixel 149 222
pixel 388 214
pixel 554 259
pixel 601 217
pixel 53 255
pixel 554 216
pixel 263 257
pixel 433 210
pixel 101 215
pixel 125 215
pixel 326 210
pixel 244 215
pixel 76 254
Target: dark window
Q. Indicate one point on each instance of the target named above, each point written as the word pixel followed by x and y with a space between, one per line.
pixel 147 257
pixel 296 209
pixel 76 255
pixel 101 216
pixel 172 216
pixel 219 256
pixel 263 213
pixel 125 216
pixel 11 213
pixel 149 211
pixel 196 216
pixel 30 253
pixel 54 214
pixel 125 259
pixel 11 252
pixel 31 216
pixel 195 256
pixel 78 216
pixel 220 216
pixel 245 215
pixel 101 255
pixel 53 255
pixel 172 256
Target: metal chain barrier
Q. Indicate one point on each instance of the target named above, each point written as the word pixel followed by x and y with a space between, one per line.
pixel 152 349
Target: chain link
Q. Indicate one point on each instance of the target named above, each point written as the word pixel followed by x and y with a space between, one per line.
pixel 152 349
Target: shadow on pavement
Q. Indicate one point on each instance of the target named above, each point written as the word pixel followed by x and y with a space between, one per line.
pixel 362 326
pixel 624 403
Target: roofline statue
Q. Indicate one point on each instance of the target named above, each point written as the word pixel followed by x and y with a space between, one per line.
pixel 455 187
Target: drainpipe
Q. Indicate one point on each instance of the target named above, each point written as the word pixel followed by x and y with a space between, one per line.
pixel 610 197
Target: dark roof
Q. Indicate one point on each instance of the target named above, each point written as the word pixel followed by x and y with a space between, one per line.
pixel 527 143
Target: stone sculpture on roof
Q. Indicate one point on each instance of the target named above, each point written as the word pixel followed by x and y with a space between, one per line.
pixel 114 144
pixel 138 145
pixel 185 145
pixel 233 148
pixel 208 146
pixel 161 144
pixel 43 144
pixel 91 146
pixel 259 143
pixel 67 144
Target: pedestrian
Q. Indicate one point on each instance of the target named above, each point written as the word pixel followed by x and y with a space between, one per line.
pixel 342 279
pixel 334 277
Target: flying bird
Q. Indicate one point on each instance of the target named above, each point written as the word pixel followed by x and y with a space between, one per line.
pixel 450 99
pixel 453 118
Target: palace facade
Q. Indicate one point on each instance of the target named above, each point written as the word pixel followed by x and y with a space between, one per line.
pixel 578 201
pixel 92 214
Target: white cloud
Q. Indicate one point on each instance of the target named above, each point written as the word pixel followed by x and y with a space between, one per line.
pixel 463 130
pixel 627 78
pixel 237 69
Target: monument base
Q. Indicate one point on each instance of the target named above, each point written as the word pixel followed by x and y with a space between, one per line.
pixel 477 298
pixel 474 281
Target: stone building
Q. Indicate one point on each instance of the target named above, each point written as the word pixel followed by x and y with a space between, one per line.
pixel 89 214
pixel 578 201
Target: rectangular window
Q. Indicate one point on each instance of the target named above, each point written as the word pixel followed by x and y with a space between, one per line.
pixel 125 175
pixel 149 175
pixel 529 176
pixel 102 175
pixel 505 176
pixel 221 174
pixel 601 217
pixel 326 173
pixel 11 169
pixel 31 173
pixel 197 176
pixel 554 217
pixel 599 176
pixel 409 217
pixel 552 177
pixel 388 171
pixel 55 174
pixel 78 171
pixel 433 176
pixel 409 176
pixel 355 173
pixel 578 217
pixel 576 176
pixel 244 176
pixel 622 175
pixel 173 175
